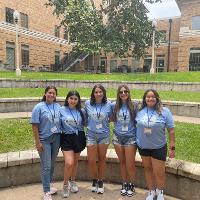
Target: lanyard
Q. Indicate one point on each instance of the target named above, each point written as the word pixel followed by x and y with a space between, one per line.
pixel 149 117
pixel 76 121
pixel 98 113
pixel 124 113
pixel 52 114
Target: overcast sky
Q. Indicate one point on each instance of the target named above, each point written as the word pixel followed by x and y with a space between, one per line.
pixel 168 8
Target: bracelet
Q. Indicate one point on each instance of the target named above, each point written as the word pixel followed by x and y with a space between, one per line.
pixel 172 148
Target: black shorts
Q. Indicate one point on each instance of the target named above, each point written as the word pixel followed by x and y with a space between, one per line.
pixel 159 154
pixel 73 142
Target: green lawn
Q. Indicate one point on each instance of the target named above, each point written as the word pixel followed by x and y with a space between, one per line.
pixel 170 76
pixel 84 92
pixel 16 134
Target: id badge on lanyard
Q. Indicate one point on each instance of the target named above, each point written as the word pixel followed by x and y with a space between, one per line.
pixel 54 129
pixel 125 127
pixel 147 131
pixel 99 126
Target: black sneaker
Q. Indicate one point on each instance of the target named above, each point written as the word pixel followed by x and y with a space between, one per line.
pixel 94 185
pixel 130 190
pixel 100 189
pixel 124 189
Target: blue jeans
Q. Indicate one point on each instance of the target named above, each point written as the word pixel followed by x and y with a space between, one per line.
pixel 48 156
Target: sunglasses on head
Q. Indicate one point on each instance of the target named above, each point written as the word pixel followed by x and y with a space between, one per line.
pixel 123 91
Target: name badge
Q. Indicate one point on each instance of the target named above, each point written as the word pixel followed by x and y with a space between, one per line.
pixel 147 131
pixel 98 126
pixel 54 129
pixel 125 127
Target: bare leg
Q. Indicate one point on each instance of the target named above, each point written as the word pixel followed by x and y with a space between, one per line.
pixel 148 170
pixel 69 164
pixel 74 170
pixel 130 162
pixel 102 149
pixel 159 172
pixel 122 161
pixel 92 154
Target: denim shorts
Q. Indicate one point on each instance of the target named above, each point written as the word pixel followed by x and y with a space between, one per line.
pixel 123 140
pixel 97 139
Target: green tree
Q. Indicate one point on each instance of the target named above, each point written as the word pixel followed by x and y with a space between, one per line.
pixel 119 26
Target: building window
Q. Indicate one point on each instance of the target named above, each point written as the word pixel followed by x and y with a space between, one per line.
pixel 194 62
pixel 10 55
pixel 57 61
pixel 25 54
pixel 160 63
pixel 163 34
pixel 57 31
pixel 9 15
pixel 24 20
pixel 196 23
pixel 65 36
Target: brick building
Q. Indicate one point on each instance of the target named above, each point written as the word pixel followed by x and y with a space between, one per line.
pixel 44 45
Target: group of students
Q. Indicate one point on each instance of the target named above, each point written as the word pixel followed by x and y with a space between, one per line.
pixel 135 127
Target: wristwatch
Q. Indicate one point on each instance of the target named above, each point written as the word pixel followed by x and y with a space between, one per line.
pixel 172 148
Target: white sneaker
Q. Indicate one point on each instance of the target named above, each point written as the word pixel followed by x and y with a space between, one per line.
pixel 65 191
pixel 47 196
pixel 73 186
pixel 53 190
pixel 151 195
pixel 94 185
pixel 160 195
pixel 100 189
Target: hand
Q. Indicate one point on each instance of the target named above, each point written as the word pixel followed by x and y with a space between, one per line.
pixel 39 147
pixel 171 153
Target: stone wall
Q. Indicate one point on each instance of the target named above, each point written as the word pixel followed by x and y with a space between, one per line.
pixel 182 181
pixel 26 105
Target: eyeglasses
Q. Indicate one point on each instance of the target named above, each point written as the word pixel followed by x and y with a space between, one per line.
pixel 123 92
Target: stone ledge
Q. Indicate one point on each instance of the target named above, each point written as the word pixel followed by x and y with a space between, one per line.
pixel 173 166
pixel 142 85
pixel 188 109
pixel 23 167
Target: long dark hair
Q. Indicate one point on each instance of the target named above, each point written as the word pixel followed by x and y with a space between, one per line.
pixel 158 106
pixel 119 103
pixel 92 98
pixel 47 89
pixel 78 105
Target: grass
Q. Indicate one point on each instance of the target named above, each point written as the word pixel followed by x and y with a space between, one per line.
pixel 111 93
pixel 16 134
pixel 170 76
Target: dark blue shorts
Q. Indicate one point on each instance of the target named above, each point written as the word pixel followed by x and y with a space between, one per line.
pixel 159 154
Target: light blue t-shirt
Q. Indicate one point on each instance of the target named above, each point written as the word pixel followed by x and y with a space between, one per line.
pixel 149 119
pixel 71 120
pixel 124 126
pixel 98 118
pixel 47 116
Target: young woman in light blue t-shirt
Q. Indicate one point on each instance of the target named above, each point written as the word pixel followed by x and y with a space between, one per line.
pixel 98 111
pixel 73 139
pixel 46 127
pixel 152 120
pixel 124 138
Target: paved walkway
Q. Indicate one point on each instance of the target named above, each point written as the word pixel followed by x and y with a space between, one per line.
pixel 28 114
pixel 34 192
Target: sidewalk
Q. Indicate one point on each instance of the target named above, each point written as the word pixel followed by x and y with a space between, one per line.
pixel 192 120
pixel 34 192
